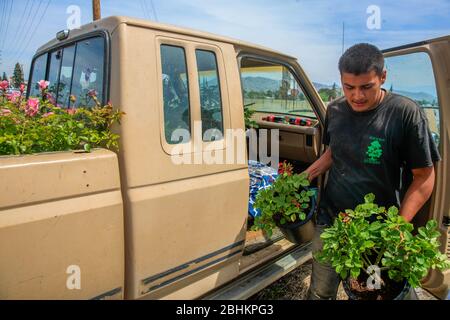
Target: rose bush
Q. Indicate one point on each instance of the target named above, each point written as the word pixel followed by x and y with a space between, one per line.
pixel 39 125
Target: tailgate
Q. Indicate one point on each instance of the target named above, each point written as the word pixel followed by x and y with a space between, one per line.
pixel 61 226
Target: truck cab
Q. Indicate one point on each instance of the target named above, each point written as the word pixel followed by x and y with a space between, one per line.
pixel 138 224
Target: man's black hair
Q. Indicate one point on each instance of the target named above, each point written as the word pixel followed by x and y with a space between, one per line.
pixel 362 58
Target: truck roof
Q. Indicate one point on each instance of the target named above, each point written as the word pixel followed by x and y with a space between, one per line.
pixel 112 22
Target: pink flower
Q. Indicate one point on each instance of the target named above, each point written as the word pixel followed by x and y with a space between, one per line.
pixel 50 98
pixel 32 107
pixel 71 111
pixel 5 112
pixel 43 84
pixel 48 114
pixel 22 88
pixel 13 97
pixel 4 85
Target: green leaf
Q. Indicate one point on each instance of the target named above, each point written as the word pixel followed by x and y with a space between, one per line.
pixel 355 272
pixel 431 224
pixel 422 232
pixel 87 147
pixel 393 211
pixel 304 183
pixel 369 198
pixel 326 235
pixel 369 244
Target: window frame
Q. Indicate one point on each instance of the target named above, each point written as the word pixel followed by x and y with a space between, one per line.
pixel 73 41
pixel 219 82
pixel 411 49
pixel 189 93
pixel 190 47
pixel 289 68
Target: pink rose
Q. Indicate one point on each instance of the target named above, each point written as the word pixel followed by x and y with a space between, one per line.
pixel 4 85
pixel 32 107
pixel 13 97
pixel 43 84
pixel 22 88
pixel 5 112
pixel 71 111
pixel 92 93
pixel 50 98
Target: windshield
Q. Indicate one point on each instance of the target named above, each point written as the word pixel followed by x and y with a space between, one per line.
pixel 271 87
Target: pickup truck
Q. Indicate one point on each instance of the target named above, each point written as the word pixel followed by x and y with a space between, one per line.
pixel 136 225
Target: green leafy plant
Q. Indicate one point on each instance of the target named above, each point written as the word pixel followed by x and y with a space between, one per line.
pixel 287 200
pixel 248 113
pixel 38 125
pixel 371 235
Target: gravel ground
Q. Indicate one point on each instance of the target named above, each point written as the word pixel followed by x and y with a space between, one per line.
pixel 292 286
pixel 295 284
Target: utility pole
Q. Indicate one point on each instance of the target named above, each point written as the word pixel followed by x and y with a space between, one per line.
pixel 96 12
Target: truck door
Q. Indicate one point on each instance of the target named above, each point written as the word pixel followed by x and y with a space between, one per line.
pixel 421 71
pixel 186 211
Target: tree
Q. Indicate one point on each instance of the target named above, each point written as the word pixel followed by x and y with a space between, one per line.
pixel 4 77
pixel 17 78
pixel 334 92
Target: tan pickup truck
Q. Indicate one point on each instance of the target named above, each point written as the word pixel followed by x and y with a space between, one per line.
pixel 136 225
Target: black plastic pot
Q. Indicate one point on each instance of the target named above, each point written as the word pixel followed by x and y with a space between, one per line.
pixel 404 294
pixel 299 232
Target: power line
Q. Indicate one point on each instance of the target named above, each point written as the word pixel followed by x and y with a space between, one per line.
pixel 7 24
pixel 37 27
pixel 4 23
pixel 22 34
pixel 154 10
pixel 27 33
pixel 2 18
pixel 146 11
pixel 20 21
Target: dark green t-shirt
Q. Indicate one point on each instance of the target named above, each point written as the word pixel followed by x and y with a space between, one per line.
pixel 370 150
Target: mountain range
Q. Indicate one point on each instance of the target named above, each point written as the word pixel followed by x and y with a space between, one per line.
pixel 263 84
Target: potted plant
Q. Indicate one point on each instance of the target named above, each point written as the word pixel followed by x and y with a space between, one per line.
pixel 376 253
pixel 287 204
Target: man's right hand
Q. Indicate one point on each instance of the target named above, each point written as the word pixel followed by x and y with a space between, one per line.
pixel 320 166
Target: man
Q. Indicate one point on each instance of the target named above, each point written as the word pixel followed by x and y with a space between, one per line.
pixel 372 134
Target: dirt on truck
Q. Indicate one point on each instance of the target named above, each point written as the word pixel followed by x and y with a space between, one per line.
pixel 138 225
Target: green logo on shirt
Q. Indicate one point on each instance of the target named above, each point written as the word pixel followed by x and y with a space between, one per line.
pixel 374 151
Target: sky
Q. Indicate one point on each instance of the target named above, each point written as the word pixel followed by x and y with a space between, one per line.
pixel 310 30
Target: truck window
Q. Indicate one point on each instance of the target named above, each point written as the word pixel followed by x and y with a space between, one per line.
pixel 53 72
pixel 39 68
pixel 210 99
pixel 175 91
pixel 88 71
pixel 65 76
pixel 412 75
pixel 270 87
pixel 74 70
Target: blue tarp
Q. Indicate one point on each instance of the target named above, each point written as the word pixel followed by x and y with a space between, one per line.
pixel 261 177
